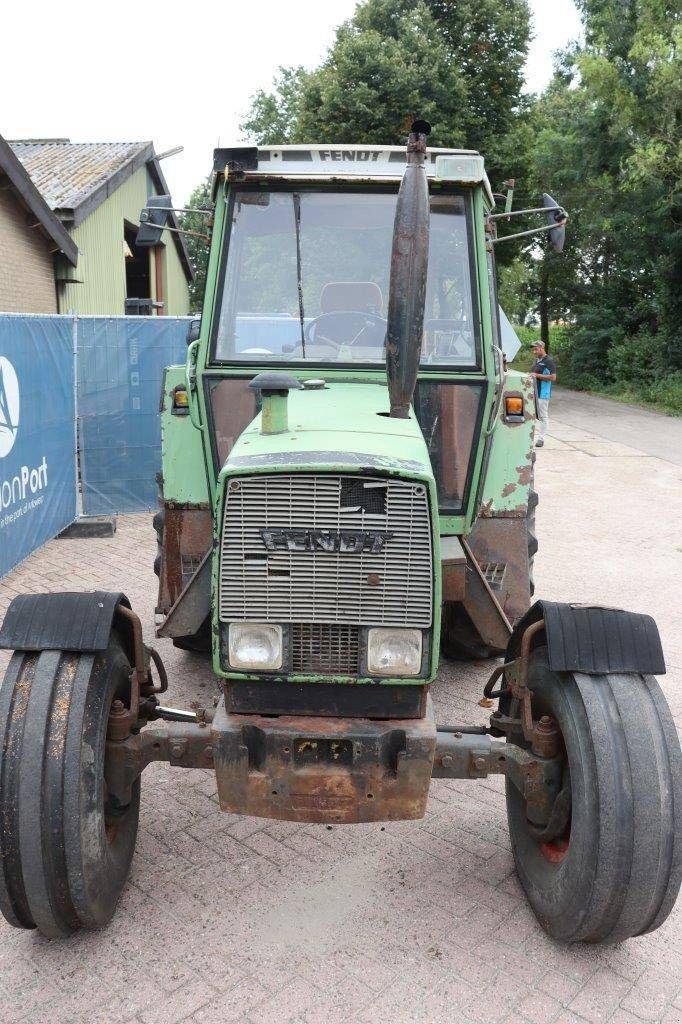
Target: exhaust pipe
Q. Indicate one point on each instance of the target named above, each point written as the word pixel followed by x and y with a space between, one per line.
pixel 274 388
pixel 409 264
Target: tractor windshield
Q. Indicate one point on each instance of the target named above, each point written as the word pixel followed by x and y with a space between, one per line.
pixel 306 278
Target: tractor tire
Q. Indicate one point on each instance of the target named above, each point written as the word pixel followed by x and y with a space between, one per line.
pixel 459 639
pixel 533 501
pixel 199 642
pixel 616 869
pixel 158 523
pixel 65 845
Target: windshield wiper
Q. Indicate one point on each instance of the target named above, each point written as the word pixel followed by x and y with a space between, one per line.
pixel 297 220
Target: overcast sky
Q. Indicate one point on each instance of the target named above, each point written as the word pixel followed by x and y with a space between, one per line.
pixel 178 73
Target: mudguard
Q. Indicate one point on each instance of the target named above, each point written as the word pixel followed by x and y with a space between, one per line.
pixel 61 622
pixel 593 640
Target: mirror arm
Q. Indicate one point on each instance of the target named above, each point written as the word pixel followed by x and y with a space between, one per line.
pixel 180 209
pixel 533 231
pixel 186 231
pixel 184 209
pixel 521 213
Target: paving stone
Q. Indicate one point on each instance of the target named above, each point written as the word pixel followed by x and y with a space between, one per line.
pixel 230 919
pixel 598 1000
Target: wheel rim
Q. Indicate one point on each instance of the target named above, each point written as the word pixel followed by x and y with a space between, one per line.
pixel 113 813
pixel 555 849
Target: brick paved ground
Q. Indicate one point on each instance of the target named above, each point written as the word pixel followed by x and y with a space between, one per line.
pixel 238 919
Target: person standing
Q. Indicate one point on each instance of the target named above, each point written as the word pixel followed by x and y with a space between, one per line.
pixel 544 371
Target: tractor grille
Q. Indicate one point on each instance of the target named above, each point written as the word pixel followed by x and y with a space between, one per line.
pixel 327 649
pixel 326 549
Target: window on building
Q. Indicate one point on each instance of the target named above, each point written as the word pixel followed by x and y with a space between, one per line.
pixel 138 301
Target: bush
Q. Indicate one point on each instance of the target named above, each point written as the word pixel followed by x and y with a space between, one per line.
pixel 637 360
pixel 631 369
pixel 666 393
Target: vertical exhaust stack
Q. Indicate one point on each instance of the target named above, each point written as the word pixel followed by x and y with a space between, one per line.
pixel 409 264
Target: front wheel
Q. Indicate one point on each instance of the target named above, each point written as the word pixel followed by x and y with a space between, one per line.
pixel 66 844
pixel 614 869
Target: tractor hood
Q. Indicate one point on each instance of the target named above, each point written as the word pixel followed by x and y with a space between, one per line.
pixel 341 426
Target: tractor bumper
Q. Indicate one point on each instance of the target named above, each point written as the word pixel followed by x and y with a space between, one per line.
pixel 342 770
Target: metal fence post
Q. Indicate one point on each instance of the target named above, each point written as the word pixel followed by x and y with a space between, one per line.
pixel 76 421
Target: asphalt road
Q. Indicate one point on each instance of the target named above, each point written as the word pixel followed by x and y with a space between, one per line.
pixel 253 921
pixel 648 432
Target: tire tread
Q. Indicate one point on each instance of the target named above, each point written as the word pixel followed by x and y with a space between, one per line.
pixel 626 770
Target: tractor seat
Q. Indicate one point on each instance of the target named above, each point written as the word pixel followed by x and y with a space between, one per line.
pixel 351 296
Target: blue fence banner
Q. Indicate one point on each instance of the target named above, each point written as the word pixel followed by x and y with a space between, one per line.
pixel 37 435
pixel 120 366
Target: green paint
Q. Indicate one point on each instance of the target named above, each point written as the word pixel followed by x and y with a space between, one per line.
pixel 340 429
pixel 338 425
pixel 182 457
pixel 274 415
pixel 507 481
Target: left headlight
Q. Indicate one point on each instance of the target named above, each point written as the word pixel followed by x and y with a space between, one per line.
pixel 394 652
pixel 255 645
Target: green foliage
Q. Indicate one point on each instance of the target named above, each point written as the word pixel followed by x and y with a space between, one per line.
pixel 528 334
pixel 666 393
pixel 460 66
pixel 636 369
pixel 607 138
pixel 637 359
pixel 272 117
pixel 200 199
pixel 516 288
pixel 603 138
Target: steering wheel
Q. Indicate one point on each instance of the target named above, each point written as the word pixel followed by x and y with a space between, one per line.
pixel 347 322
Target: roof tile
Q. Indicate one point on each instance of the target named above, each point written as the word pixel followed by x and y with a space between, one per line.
pixel 66 173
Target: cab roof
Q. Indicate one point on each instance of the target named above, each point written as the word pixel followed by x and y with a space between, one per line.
pixel 350 162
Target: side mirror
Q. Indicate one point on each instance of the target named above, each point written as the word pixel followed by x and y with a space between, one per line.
pixel 193 330
pixel 556 218
pixel 153 220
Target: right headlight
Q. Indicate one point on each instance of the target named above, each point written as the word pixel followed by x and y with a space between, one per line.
pixel 394 652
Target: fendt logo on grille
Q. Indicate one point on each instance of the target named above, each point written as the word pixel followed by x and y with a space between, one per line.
pixel 345 542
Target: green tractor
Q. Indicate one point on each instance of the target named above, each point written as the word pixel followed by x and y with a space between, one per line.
pixel 347 494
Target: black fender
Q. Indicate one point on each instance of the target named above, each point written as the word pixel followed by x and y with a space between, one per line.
pixel 65 622
pixel 593 639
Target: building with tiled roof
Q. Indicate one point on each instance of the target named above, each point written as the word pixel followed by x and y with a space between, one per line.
pixel 32 242
pixel 95 191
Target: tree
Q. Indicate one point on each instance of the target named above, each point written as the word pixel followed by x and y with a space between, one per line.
pixel 606 144
pixel 608 137
pixel 458 65
pixel 197 247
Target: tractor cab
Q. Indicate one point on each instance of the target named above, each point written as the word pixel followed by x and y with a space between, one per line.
pixel 309 277
pixel 303 285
